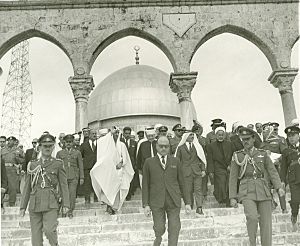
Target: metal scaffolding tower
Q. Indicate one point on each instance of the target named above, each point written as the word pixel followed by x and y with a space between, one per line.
pixel 17 96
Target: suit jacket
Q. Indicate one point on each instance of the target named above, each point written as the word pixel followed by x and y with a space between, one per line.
pixel 215 158
pixel 157 181
pixel 4 180
pixel 144 153
pixel 30 155
pixel 290 166
pixel 88 155
pixel 190 161
pixel 131 147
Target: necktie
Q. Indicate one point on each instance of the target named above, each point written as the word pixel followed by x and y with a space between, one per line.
pixel 152 154
pixel 94 146
pixel 163 162
pixel 190 146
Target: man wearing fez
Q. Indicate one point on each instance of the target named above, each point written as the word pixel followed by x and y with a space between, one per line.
pixel 145 150
pixel 253 167
pixel 174 141
pixel 163 186
pixel 219 155
pixel 44 176
pixel 13 158
pixel 74 169
pixel 290 170
pixel 193 160
pixel 88 151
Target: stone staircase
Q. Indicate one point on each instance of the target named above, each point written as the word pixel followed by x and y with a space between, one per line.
pixel 219 226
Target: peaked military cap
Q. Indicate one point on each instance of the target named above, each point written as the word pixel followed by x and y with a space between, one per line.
pixel 69 137
pixel 86 129
pixel 47 138
pixel 177 127
pixel 12 138
pixel 292 129
pixel 216 122
pixel 274 124
pixel 163 129
pixel 246 132
pixel 266 124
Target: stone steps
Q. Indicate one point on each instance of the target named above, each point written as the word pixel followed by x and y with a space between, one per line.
pixel 219 226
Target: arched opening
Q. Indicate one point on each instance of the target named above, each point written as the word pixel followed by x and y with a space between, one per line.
pixel 125 93
pixel 296 85
pixel 242 32
pixel 53 104
pixel 136 33
pixel 232 83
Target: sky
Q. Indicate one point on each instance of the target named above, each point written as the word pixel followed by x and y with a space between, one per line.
pixel 231 84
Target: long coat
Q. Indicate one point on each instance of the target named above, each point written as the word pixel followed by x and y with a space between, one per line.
pixel 89 156
pixel 144 153
pixel 157 181
pixel 218 161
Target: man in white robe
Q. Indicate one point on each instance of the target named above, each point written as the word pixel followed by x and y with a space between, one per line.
pixel 113 172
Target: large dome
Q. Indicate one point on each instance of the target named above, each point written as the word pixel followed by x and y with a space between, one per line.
pixel 137 90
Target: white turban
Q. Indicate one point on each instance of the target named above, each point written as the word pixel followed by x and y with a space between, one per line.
pixel 295 122
pixel 220 128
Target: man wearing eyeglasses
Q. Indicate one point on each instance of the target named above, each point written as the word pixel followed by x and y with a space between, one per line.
pixel 162 185
pixel 30 154
pixel 178 131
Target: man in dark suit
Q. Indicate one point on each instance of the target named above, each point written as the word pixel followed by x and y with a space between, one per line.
pixel 193 169
pixel 131 146
pixel 88 151
pixel 147 149
pixel 162 185
pixel 30 154
pixel 219 155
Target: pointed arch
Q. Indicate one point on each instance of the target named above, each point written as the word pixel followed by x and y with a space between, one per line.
pixel 242 32
pixel 98 46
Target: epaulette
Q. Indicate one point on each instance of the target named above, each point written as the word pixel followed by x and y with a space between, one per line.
pixel 239 151
pixel 263 150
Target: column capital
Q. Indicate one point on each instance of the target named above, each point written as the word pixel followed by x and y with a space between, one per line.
pixel 283 79
pixel 182 84
pixel 81 86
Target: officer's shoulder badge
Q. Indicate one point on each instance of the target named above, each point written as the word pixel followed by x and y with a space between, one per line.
pixel 239 151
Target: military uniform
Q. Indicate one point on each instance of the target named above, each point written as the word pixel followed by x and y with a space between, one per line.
pixel 276 145
pixel 254 169
pixel 41 191
pixel 74 171
pixel 290 172
pixel 13 159
pixel 174 141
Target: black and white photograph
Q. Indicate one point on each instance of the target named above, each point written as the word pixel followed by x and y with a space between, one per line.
pixel 149 122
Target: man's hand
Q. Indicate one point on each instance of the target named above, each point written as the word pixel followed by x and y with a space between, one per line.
pixel 188 209
pixel 203 174
pixel 147 211
pixel 283 185
pixel 65 210
pixel 281 192
pixel 22 212
pixel 233 203
pixel 81 181
pixel 3 190
pixel 23 172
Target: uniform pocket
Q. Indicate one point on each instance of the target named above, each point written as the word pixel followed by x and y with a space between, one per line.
pixel 243 189
pixel 52 200
pixel 31 202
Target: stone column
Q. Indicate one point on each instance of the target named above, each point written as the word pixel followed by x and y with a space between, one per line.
pixel 81 87
pixel 283 80
pixel 182 84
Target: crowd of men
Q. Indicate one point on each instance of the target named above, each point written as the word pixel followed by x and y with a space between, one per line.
pixel 245 166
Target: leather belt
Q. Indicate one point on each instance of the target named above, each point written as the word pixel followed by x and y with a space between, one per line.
pixel 254 176
pixel 9 164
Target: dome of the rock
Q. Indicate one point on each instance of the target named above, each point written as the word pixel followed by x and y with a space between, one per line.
pixel 134 96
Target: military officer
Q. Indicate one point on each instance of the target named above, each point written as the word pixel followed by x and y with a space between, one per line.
pixel 253 166
pixel 43 177
pixel 13 158
pixel 174 141
pixel 74 169
pixel 290 170
pixel 273 143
